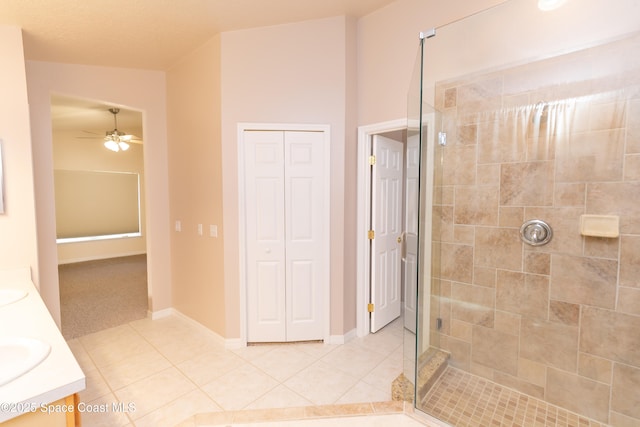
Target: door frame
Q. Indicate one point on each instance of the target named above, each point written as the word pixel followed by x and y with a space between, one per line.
pixel 363 200
pixel 326 130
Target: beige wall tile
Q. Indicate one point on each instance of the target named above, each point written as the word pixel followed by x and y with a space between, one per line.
pixel 619 420
pixel 461 330
pixel 632 167
pixel 488 174
pixel 610 115
pixel 508 323
pixel 532 372
pixel 629 300
pixel 584 280
pixel 473 304
pixel 460 353
pixel 596 368
pixel 450 97
pixel 457 262
pixel 578 394
pixel 610 335
pixel 549 343
pixel 443 223
pixel 601 247
pixel 524 294
pixel 496 142
pixel 511 216
pixel 591 156
pixel 569 194
pixel 479 90
pixel 477 205
pixel 459 165
pixel 565 222
pixel 564 312
pixel 633 140
pixel 526 184
pixel 483 276
pixel 630 261
pixel 537 262
pixel 463 234
pixel 467 134
pixel 498 247
pixel 519 384
pixel 625 395
pixel 495 349
pixel 619 199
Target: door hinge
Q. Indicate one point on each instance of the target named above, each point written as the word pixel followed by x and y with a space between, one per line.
pixel 372 160
pixel 370 308
pixel 438 323
pixel 442 138
pixel 371 234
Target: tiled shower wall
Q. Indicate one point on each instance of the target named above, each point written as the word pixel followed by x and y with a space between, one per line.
pixel 560 322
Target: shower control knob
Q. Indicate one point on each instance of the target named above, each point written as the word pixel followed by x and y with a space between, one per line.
pixel 536 232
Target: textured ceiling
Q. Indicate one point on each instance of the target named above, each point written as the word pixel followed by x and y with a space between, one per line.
pixel 150 34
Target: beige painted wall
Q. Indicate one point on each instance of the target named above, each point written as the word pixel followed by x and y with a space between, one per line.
pixel 195 168
pixel 134 89
pixel 388 41
pixel 71 153
pixel 18 247
pixel 293 73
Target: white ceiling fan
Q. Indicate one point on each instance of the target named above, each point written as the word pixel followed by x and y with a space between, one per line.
pixel 115 140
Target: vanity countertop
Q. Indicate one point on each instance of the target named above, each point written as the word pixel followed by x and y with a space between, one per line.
pixel 58 375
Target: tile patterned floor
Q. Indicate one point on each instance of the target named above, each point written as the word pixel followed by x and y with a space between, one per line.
pixel 465 400
pixel 170 369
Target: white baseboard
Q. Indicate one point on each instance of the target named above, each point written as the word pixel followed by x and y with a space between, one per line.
pixel 343 339
pixel 228 343
pixel 98 257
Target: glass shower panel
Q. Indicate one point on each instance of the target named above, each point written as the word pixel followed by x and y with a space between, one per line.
pixel 540 116
pixel 422 306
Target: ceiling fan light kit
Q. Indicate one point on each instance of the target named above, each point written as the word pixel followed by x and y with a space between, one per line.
pixel 116 140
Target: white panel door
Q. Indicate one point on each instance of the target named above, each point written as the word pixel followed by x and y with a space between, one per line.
pixel 386 221
pixel 305 268
pixel 265 235
pixel 410 258
pixel 286 265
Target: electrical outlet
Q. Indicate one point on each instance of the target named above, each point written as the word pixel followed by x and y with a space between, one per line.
pixel 200 232
pixel 213 230
pixel 178 226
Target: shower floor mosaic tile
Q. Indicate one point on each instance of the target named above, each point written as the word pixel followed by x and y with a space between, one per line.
pixel 465 400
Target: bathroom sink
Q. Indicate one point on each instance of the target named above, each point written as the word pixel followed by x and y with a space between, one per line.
pixel 8 296
pixel 18 355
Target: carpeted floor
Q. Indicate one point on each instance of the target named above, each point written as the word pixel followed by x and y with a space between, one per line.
pixel 97 295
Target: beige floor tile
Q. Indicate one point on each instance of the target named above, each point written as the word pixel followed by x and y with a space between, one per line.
pixel 171 369
pixel 238 388
pixel 175 412
pixel 272 364
pixel 81 355
pixel 102 413
pixel 134 368
pixel 279 397
pixel 114 345
pixel 363 392
pixel 353 359
pixel 206 367
pixel 321 383
pixel 96 386
pixel 252 352
pixel 155 391
pixel 384 373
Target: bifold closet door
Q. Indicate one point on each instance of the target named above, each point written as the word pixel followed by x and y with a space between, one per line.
pixel 286 268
